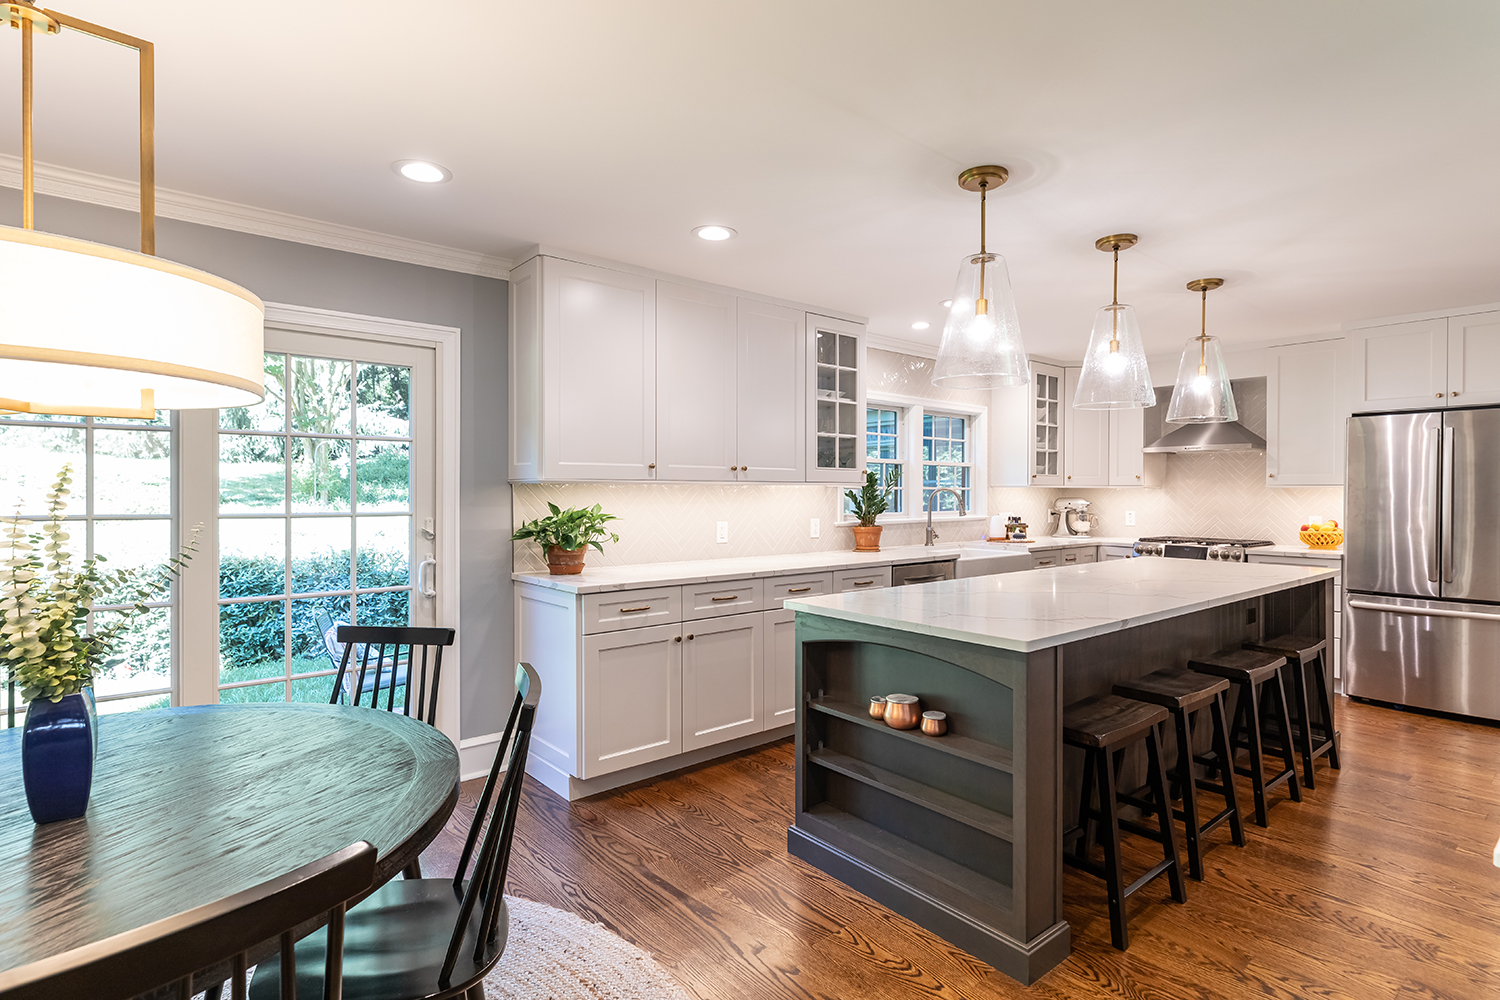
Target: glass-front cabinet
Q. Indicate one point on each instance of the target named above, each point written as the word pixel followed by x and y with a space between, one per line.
pixel 836 400
pixel 1047 425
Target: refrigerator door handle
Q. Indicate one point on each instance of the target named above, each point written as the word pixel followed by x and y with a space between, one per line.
pixel 1431 543
pixel 1447 515
pixel 1402 609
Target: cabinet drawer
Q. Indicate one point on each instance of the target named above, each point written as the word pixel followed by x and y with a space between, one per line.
pixel 709 600
pixel 783 588
pixel 1047 560
pixel 1074 557
pixel 850 580
pixel 631 609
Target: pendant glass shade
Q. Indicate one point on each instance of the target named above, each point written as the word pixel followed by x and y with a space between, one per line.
pixel 1115 374
pixel 1202 394
pixel 981 346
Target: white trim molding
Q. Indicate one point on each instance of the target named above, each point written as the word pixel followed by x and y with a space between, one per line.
pixel 112 192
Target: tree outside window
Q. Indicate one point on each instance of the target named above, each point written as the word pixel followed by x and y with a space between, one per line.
pixel 946 460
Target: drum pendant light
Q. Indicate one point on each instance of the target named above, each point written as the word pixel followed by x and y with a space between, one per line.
pixel 981 346
pixel 92 330
pixel 1115 374
pixel 1202 394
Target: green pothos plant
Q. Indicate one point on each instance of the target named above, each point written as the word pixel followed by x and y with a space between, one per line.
pixel 46 598
pixel 569 529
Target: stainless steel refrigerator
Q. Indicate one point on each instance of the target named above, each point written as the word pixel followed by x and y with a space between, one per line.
pixel 1422 560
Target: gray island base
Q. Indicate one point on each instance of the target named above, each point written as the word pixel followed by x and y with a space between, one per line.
pixel 962 834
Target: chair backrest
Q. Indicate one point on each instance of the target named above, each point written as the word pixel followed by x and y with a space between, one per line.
pixel 495 816
pixel 167 952
pixel 392 666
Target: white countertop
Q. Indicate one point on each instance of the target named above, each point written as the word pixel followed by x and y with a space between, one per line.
pixel 1041 609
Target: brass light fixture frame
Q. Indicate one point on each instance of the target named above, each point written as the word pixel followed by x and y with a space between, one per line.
pixel 981 179
pixel 28 18
pixel 1114 244
pixel 1204 285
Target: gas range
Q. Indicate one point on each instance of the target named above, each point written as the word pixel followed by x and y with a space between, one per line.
pixel 1198 547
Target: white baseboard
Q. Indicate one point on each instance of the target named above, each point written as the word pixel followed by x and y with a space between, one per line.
pixel 476 755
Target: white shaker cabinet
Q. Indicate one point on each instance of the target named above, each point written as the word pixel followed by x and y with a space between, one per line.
pixel 835 401
pixel 781 667
pixel 723 679
pixel 1128 464
pixel 1048 423
pixel 1474 359
pixel 1304 415
pixel 583 373
pixel 1403 366
pixel 771 389
pixel 697 410
pixel 1086 437
pixel 632 688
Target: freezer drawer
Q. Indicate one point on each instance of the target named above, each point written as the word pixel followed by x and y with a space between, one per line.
pixel 1427 654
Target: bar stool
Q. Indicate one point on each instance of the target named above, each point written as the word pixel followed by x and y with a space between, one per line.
pixel 1249 670
pixel 1183 693
pixel 1103 727
pixel 1308 652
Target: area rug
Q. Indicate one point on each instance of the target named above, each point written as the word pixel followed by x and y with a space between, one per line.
pixel 553 955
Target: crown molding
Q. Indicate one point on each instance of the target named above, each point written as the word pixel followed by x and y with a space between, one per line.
pixel 112 192
pixel 882 342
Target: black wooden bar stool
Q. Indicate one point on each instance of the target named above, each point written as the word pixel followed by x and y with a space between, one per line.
pixel 1103 727
pixel 1314 739
pixel 1250 670
pixel 1182 693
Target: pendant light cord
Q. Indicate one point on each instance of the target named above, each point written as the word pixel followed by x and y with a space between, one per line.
pixel 1203 338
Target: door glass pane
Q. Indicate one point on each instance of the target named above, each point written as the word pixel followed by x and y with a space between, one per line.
pixel 384 476
pixel 252 638
pixel 252 473
pixel 252 557
pixel 383 400
pixel 132 472
pixel 320 554
pixel 131 545
pixel 320 475
pixel 32 457
pixel 270 413
pixel 254 694
pixel 828 351
pixel 384 544
pixel 320 390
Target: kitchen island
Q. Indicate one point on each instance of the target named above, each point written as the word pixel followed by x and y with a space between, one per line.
pixel 963 833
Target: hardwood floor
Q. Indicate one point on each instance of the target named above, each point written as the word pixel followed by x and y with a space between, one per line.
pixel 1378 885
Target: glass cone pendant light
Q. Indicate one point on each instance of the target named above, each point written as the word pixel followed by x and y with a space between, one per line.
pixel 981 346
pixel 1115 374
pixel 1202 394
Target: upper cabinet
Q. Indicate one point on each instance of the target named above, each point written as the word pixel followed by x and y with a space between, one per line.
pixel 1086 436
pixel 1424 364
pixel 1304 415
pixel 627 377
pixel 1048 422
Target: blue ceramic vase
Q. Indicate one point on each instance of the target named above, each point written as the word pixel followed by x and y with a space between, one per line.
pixel 58 747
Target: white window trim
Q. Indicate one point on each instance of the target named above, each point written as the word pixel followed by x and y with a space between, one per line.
pixel 912 409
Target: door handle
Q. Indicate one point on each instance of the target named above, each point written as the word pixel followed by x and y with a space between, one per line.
pixel 798 590
pixel 1398 609
pixel 424 586
pixel 1429 555
pixel 1448 435
pixel 730 597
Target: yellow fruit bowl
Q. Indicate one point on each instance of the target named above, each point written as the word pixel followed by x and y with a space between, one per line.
pixel 1322 539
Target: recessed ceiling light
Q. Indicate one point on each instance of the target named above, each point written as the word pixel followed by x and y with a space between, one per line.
pixel 920 324
pixel 946 303
pixel 715 233
pixel 422 171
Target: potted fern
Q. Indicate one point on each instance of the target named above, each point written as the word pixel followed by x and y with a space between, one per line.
pixel 52 656
pixel 869 503
pixel 565 535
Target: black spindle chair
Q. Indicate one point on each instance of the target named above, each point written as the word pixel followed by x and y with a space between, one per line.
pixel 398 668
pixel 165 954
pixel 427 938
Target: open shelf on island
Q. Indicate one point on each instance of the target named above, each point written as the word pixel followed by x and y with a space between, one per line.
pixel 978 751
pixel 984 820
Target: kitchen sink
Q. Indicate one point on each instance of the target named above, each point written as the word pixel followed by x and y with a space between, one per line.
pixel 986 558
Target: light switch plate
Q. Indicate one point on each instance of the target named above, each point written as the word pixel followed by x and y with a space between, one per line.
pixel 1130 517
pixel 723 535
pixel 816 528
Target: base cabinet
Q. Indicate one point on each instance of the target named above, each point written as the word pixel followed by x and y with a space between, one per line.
pixel 723 679
pixel 632 684
pixel 781 668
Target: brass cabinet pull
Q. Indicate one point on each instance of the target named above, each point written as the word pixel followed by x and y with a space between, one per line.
pixel 1439 395
pixel 643 607
pixel 1045 562
pixel 798 590
pixel 676 638
pixel 1453 394
pixel 690 635
pixel 863 583
pixel 651 466
pixel 1070 558
pixel 731 597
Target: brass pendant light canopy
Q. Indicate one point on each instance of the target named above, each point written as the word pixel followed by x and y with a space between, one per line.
pixel 1202 394
pixel 1115 374
pixel 981 346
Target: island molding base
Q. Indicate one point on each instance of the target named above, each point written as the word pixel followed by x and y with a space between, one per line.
pixel 1023 961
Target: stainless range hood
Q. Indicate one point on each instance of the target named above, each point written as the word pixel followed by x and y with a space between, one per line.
pixel 1212 437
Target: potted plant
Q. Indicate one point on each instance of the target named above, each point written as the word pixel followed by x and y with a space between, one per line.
pixel 566 534
pixel 868 504
pixel 51 654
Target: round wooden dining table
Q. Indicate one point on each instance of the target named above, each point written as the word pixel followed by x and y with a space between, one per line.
pixel 190 805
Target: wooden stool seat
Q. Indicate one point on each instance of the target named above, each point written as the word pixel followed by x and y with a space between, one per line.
pixel 1108 720
pixel 1313 738
pixel 1183 693
pixel 1255 674
pixel 1103 727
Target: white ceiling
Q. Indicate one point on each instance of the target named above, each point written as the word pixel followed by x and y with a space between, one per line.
pixel 1331 160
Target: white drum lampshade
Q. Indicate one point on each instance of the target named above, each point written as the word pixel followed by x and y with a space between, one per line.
pixel 90 329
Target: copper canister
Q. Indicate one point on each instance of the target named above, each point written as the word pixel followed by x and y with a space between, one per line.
pixel 902 711
pixel 877 707
pixel 934 723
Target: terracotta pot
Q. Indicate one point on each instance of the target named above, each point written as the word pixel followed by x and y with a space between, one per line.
pixel 867 538
pixel 565 562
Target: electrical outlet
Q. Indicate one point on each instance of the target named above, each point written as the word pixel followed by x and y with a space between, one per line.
pixel 1130 517
pixel 815 529
pixel 723 535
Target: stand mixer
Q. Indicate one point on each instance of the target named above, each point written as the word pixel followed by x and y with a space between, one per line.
pixel 1073 515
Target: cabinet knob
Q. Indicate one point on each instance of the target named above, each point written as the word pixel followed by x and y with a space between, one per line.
pixel 1070 477
pixel 1137 477
pixel 676 638
pixel 1439 395
pixel 690 635
pixel 1270 475
pixel 1453 394
pixel 651 466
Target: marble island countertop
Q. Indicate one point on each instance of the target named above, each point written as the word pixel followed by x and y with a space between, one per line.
pixel 1038 610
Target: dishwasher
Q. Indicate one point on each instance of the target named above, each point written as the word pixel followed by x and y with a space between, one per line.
pixel 921 572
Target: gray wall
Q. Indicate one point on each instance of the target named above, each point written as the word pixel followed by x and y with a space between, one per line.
pixel 278 271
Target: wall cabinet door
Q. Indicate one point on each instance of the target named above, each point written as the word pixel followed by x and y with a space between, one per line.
pixel 1049 418
pixel 696 343
pixel 835 401
pixel 599 373
pixel 781 668
pixel 632 712
pixel 1304 418
pixel 1474 359
pixel 772 412
pixel 1127 463
pixel 723 679
pixel 1401 367
pixel 1086 433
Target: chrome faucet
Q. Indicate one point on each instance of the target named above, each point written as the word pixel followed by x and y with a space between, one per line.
pixel 932 536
